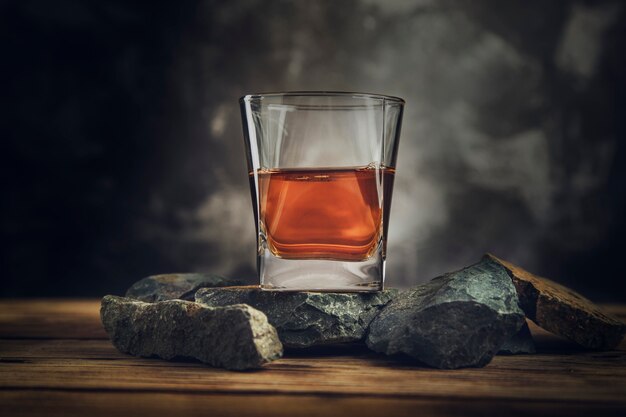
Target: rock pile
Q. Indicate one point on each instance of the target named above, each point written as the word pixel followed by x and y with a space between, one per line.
pixel 459 319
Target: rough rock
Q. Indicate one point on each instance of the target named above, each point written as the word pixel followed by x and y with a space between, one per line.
pixel 237 337
pixel 305 319
pixel 175 286
pixel 522 342
pixel 563 311
pixel 459 319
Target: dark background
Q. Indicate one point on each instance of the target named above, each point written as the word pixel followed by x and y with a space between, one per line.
pixel 123 152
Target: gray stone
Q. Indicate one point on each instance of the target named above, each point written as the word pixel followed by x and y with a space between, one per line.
pixel 456 320
pixel 522 342
pixel 305 319
pixel 237 337
pixel 175 286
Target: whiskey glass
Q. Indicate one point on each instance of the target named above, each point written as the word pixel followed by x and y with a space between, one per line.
pixel 321 169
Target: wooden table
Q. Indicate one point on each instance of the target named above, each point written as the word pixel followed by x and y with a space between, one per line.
pixel 55 360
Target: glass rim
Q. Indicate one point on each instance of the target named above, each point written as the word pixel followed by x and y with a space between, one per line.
pixel 260 96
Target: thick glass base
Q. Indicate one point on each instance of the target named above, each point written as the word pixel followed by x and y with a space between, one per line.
pixel 277 274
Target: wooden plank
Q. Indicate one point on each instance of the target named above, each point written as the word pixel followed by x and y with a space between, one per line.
pixel 51 318
pixel 28 403
pixel 59 349
pixel 54 361
pixel 106 404
pixel 95 365
pixel 29 349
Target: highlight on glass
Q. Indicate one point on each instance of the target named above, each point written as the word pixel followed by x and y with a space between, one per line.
pixel 321 168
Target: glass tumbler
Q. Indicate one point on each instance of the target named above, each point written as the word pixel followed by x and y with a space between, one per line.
pixel 321 168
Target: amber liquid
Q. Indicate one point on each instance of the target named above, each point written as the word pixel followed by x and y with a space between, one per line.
pixel 338 214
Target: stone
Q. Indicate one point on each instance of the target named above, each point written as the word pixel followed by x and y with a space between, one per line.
pixel 175 286
pixel 459 319
pixel 305 319
pixel 563 311
pixel 236 337
pixel 522 342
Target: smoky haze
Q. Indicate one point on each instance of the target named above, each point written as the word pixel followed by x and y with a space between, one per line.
pixel 125 128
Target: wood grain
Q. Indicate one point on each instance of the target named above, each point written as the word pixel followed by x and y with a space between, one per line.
pixel 583 377
pixel 55 361
pixel 59 319
pixel 107 404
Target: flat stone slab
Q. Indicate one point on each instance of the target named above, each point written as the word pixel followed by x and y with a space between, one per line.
pixel 237 337
pixel 457 320
pixel 305 319
pixel 563 311
pixel 175 286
